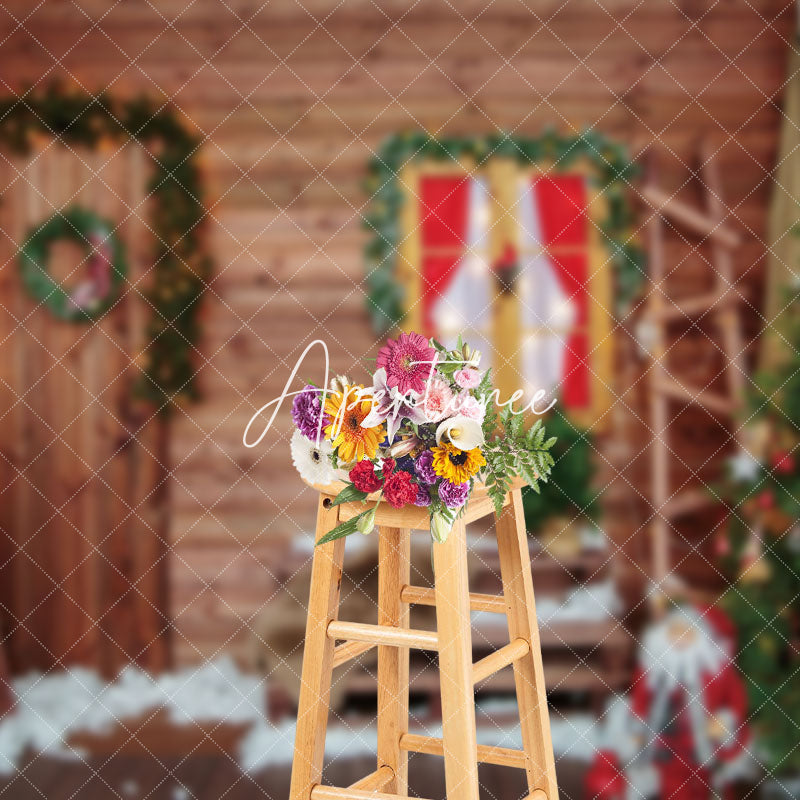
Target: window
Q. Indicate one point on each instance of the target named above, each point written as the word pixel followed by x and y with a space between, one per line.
pixel 513 258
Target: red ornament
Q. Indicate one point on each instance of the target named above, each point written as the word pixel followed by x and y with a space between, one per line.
pixel 766 499
pixel 722 545
pixel 783 463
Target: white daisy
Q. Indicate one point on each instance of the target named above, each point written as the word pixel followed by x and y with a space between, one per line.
pixel 312 462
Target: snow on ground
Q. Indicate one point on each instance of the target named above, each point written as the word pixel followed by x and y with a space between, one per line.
pixel 53 706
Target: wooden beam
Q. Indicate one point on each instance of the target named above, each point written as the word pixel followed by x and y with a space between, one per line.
pixel 375 781
pixel 347 651
pixel 383 635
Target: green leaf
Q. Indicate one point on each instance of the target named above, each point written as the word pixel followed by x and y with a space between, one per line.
pixel 348 495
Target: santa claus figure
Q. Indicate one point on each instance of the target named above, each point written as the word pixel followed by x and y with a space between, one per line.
pixel 690 705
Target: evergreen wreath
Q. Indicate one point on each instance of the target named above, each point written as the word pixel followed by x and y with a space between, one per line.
pixel 181 262
pixel 612 174
pixel 104 261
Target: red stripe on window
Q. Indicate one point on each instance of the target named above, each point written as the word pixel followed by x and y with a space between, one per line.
pixel 561 200
pixel 444 202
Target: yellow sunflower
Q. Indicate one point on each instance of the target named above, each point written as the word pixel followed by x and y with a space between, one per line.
pixel 345 431
pixel 457 466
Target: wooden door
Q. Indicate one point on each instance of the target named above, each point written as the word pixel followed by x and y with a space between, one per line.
pixel 82 463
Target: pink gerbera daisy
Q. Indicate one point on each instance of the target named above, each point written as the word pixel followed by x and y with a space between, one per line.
pixel 408 361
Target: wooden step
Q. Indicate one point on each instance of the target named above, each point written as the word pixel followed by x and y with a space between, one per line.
pixel 677 211
pixel 699 396
pixel 499 659
pixel 432 745
pixel 383 635
pixel 688 308
pixel 419 595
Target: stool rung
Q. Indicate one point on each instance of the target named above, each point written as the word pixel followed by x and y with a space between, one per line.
pixel 383 635
pixel 375 781
pixel 421 596
pixel 432 745
pixel 347 651
pixel 500 658
pixel 320 792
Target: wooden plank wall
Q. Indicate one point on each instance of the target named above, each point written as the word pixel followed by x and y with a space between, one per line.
pixel 82 510
pixel 292 100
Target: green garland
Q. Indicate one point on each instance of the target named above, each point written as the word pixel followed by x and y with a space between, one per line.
pixel 181 264
pixel 613 171
pixel 95 235
pixel 766 608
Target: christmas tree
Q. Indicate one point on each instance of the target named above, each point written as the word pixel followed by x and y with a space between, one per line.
pixel 762 551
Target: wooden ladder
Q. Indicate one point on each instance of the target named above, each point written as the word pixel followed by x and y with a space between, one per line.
pixel 719 304
pixel 452 640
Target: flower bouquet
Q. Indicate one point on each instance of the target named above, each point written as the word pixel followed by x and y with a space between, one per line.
pixel 423 434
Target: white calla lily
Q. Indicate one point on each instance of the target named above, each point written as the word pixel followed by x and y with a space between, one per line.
pixel 463 432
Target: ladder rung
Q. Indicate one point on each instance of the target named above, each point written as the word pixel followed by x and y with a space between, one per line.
pixel 375 781
pixel 500 658
pixel 421 596
pixel 695 220
pixel 383 635
pixel 349 650
pixel 320 792
pixel 694 306
pixel 687 501
pixel 432 745
pixel 704 398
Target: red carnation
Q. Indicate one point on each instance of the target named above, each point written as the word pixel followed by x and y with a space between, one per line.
pixel 783 463
pixel 399 490
pixel 766 499
pixel 364 478
pixel 388 466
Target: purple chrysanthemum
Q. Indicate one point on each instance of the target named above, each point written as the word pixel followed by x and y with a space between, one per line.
pixel 306 411
pixel 423 466
pixel 423 496
pixel 453 495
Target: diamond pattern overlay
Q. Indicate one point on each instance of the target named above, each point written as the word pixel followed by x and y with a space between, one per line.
pixel 291 98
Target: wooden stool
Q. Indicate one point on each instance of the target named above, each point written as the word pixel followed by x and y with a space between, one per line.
pixel 393 638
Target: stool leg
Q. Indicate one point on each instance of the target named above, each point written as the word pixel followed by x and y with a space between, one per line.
pixel 455 666
pixel 394 572
pixel 315 683
pixel 515 569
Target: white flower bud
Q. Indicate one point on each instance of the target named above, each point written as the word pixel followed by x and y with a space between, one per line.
pixel 366 523
pixel 440 528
